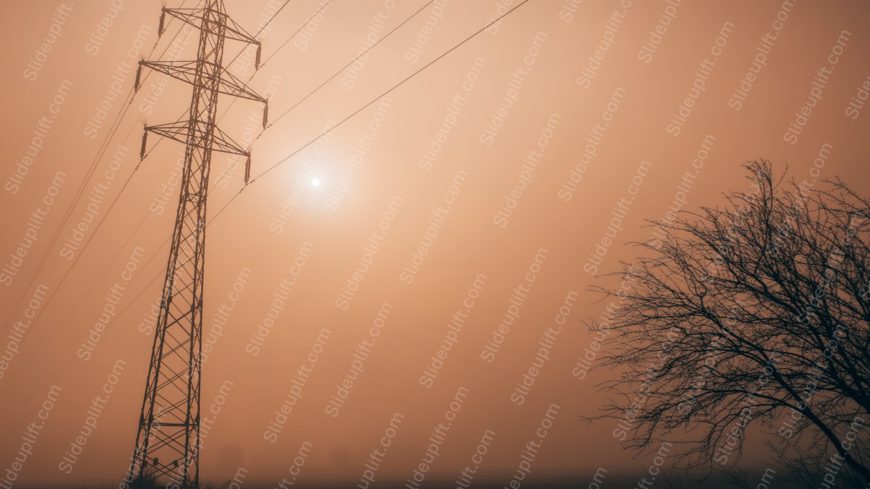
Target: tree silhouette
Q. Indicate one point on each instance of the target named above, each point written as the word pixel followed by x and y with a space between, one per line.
pixel 752 313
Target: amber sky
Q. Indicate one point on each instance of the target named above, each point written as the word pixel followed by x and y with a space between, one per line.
pixel 484 193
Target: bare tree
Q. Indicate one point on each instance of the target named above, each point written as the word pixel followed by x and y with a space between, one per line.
pixel 751 314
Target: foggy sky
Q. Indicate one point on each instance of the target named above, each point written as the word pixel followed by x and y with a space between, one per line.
pixel 466 213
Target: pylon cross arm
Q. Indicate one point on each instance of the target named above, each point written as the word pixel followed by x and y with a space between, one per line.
pixel 179 131
pixel 186 72
pixel 194 17
pixel 231 85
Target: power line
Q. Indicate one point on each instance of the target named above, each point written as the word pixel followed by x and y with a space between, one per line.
pixel 297 31
pixel 87 242
pixel 104 145
pixel 101 150
pixel 340 70
pixel 262 28
pixel 386 92
pixel 114 256
pixel 331 77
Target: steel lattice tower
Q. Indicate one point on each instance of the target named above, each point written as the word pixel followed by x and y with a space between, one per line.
pixel 167 441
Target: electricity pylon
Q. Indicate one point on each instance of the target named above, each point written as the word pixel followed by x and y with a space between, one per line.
pixel 167 441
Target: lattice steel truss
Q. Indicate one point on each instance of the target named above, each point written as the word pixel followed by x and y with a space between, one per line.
pixel 167 441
